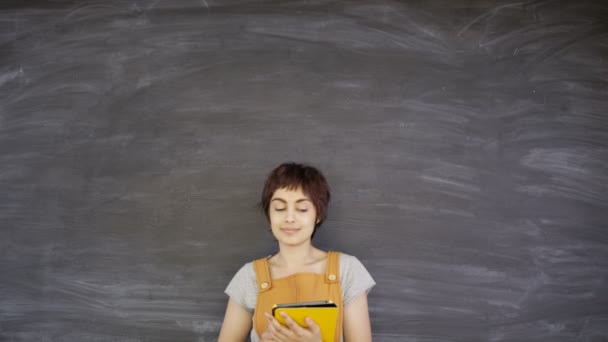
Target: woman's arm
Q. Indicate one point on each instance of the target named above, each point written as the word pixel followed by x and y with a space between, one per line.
pixel 357 327
pixel 237 323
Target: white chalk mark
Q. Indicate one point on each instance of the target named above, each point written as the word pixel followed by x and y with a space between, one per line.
pixel 80 9
pixel 136 8
pixel 419 28
pixel 488 14
pixel 596 34
pixel 392 37
pixel 10 76
pixel 153 5
pixel 448 182
pixel 425 31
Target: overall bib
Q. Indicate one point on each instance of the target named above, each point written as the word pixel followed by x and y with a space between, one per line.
pixel 298 287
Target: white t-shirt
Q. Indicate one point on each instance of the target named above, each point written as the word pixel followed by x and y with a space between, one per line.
pixel 354 281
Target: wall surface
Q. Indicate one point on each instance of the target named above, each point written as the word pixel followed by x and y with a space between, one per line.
pixel 466 143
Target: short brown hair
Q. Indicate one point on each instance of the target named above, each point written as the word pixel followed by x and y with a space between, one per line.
pixel 293 176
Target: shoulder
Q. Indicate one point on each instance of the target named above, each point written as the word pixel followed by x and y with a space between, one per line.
pixel 243 287
pixel 347 262
pixel 245 274
pixel 350 266
pixel 347 258
pixel 354 278
pixel 247 270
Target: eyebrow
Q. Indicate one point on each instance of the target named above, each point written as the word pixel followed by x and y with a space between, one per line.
pixel 284 201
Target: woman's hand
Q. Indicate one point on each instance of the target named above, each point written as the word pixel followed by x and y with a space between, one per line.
pixel 292 332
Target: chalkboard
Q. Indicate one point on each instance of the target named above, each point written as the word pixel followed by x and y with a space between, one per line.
pixel 466 143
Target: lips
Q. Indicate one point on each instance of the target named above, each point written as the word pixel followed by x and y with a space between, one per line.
pixel 290 230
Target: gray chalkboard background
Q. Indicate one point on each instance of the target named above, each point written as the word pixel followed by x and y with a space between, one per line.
pixel 466 143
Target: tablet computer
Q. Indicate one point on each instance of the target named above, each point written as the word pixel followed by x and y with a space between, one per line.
pixel 323 313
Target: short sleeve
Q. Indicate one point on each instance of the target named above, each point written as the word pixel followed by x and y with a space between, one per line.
pixel 243 287
pixel 354 278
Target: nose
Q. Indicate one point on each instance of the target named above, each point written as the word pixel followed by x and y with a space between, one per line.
pixel 290 216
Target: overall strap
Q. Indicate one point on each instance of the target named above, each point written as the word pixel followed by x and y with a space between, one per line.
pixel 332 275
pixel 262 274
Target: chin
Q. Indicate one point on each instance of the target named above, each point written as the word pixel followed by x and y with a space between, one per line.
pixel 293 242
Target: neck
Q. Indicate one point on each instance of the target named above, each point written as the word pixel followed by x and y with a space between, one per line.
pixel 295 256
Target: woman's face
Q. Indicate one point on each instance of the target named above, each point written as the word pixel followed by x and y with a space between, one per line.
pixel 292 217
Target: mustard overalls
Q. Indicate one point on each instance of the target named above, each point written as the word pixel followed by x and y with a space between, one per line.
pixel 298 287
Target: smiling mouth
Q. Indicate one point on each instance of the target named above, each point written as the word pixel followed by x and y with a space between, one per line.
pixel 290 230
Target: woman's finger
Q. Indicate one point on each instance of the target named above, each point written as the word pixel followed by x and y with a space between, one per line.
pixel 312 326
pixel 293 326
pixel 279 332
pixel 267 336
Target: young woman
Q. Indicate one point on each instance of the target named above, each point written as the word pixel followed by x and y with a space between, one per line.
pixel 295 199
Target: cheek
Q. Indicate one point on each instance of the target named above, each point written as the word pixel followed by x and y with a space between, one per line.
pixel 312 217
pixel 275 218
pixel 272 218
